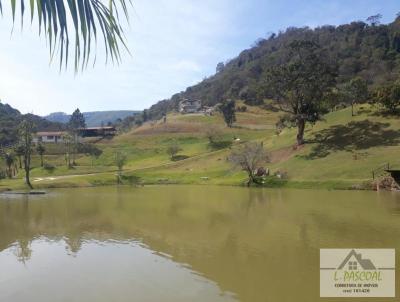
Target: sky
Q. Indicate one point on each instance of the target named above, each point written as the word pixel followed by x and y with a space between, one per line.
pixel 173 43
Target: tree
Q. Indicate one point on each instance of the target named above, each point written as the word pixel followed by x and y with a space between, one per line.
pixel 41 149
pixel 248 157
pixel 90 19
pixel 374 20
pixel 300 84
pixel 9 159
pixel 173 150
pixel 26 129
pixel 91 150
pixel 120 161
pixel 19 152
pixel 356 91
pixel 388 96
pixel 68 141
pixel 145 115
pixel 228 111
pixel 220 67
pixel 76 122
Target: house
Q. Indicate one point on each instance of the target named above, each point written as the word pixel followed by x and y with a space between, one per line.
pixel 354 261
pixel 189 106
pixel 97 131
pixel 49 137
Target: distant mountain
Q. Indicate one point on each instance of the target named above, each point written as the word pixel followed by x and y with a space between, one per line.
pixel 10 119
pixel 94 118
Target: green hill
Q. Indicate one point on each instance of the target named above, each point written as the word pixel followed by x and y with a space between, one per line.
pixel 10 118
pixel 359 49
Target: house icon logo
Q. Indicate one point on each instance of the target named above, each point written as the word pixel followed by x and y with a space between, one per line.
pixel 357 273
pixel 355 261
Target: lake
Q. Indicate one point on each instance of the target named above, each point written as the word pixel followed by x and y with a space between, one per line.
pixel 184 243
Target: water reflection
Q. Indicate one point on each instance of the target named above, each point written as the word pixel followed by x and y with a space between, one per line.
pixel 182 243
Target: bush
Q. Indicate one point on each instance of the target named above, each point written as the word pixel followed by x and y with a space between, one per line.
pixel 179 157
pixel 388 96
pixel 241 109
pixel 49 167
pixel 216 139
pixel 130 179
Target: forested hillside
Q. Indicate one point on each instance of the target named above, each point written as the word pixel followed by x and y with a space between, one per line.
pixel 369 50
pixel 10 119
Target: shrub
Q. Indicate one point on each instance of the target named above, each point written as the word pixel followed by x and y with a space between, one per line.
pixel 49 167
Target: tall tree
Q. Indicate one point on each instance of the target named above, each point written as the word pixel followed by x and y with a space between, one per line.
pixel 220 67
pixel 76 122
pixel 41 149
pixel 91 20
pixel 120 159
pixel 19 152
pixel 9 159
pixel 26 129
pixel 356 91
pixel 374 20
pixel 228 111
pixel 300 84
pixel 68 140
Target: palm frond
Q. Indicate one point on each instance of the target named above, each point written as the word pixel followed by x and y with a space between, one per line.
pixel 88 18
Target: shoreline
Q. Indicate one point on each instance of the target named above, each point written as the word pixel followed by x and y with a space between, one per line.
pixel 20 188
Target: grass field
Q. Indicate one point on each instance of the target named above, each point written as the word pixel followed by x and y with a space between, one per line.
pixel 341 151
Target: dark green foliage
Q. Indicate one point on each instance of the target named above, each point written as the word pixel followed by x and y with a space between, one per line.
pixel 388 96
pixel 9 159
pixel 301 83
pixel 355 91
pixel 130 179
pixel 90 150
pixel 25 132
pixel 10 118
pixel 371 52
pixel 76 121
pixel 49 167
pixel 40 149
pixel 228 109
pixel 179 157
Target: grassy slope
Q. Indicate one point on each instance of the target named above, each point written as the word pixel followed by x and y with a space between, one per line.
pixel 341 151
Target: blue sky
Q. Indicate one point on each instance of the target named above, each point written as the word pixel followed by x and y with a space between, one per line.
pixel 174 44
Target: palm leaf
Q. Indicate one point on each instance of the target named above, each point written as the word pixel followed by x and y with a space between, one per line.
pixel 88 18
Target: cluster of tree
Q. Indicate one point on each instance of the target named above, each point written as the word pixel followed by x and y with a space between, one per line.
pixel 367 50
pixel 388 96
pixel 10 118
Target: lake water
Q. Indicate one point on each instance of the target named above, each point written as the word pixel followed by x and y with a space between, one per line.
pixel 183 243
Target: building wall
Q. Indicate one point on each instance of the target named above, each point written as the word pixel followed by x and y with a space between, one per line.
pixel 48 139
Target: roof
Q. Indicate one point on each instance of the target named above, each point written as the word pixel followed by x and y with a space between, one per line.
pixel 365 263
pixel 98 128
pixel 50 133
pixel 190 101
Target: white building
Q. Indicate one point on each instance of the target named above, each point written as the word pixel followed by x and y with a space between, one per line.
pixel 49 137
pixel 189 106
